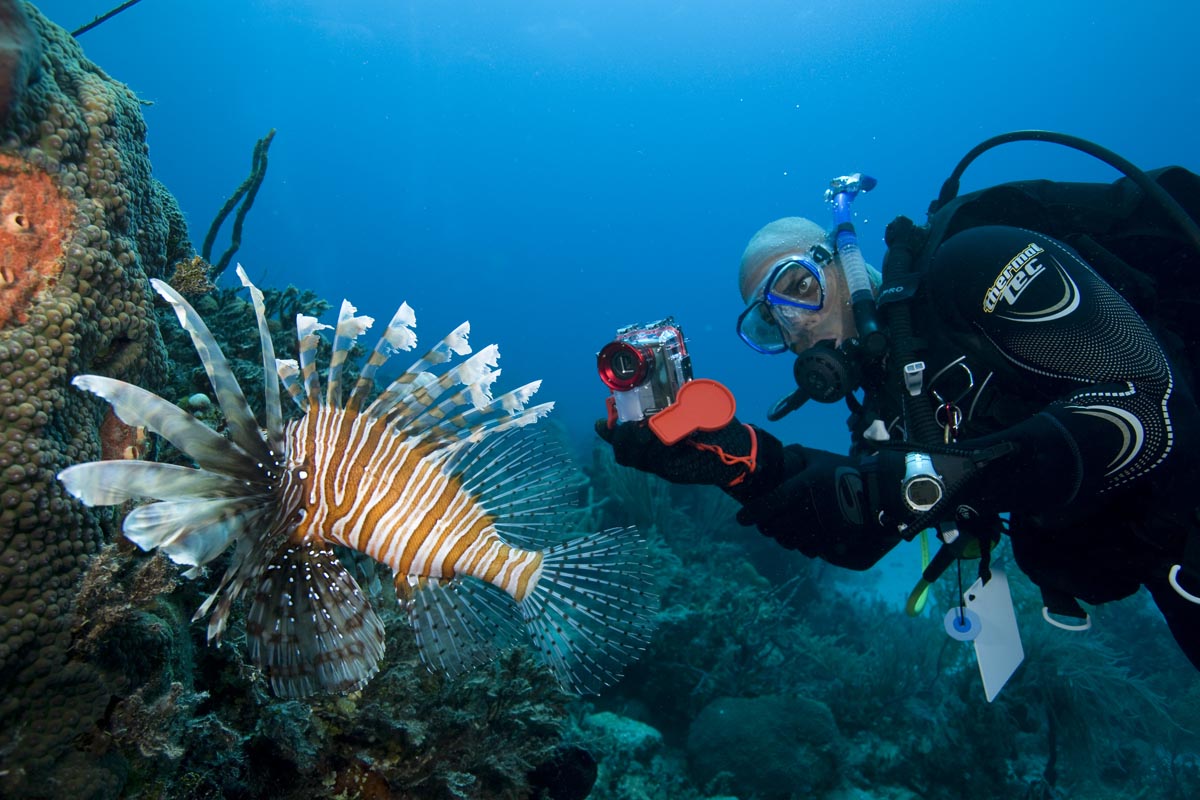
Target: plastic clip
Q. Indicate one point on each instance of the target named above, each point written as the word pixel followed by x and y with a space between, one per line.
pixel 877 432
pixel 914 377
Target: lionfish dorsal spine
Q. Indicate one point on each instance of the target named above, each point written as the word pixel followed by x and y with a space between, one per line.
pixel 398 336
pixel 454 343
pixel 424 405
pixel 274 413
pixel 503 413
pixel 289 375
pixel 307 341
pixel 347 331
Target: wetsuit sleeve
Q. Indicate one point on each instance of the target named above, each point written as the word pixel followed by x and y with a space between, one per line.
pixel 1059 332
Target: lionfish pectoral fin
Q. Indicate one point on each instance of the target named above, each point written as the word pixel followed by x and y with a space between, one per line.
pixel 459 623
pixel 106 483
pixel 310 627
pixel 193 532
pixel 140 408
pixel 590 611
pixel 239 418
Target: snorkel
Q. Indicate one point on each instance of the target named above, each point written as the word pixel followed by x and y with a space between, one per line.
pixel 841 194
pixel 824 372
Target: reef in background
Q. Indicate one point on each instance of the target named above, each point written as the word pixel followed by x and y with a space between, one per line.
pixel 82 225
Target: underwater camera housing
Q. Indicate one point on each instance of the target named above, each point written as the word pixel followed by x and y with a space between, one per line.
pixel 644 366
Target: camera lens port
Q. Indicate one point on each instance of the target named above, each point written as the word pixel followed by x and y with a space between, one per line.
pixel 622 366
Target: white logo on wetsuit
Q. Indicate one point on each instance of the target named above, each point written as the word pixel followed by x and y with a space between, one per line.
pixel 1015 278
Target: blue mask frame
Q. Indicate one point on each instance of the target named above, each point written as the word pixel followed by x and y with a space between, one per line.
pixel 759 325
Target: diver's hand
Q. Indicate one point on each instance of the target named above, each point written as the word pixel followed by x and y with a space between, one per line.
pixel 824 498
pixel 726 457
pixel 824 510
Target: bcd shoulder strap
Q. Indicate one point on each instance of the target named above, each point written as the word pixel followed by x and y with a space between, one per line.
pixel 1115 226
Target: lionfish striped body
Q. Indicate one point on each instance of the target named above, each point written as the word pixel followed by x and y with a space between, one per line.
pixel 433 477
pixel 384 496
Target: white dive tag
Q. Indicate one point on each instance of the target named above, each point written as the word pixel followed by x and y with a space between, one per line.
pixel 998 645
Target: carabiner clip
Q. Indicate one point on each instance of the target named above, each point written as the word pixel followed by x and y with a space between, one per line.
pixel 958 398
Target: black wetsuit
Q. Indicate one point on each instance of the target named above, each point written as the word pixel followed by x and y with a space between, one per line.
pixel 1033 347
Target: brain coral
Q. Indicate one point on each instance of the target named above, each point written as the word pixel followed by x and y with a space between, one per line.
pixel 82 225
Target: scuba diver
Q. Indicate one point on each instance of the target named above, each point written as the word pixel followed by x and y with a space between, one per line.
pixel 1012 370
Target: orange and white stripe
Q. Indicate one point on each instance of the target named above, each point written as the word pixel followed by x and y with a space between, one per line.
pixel 371 489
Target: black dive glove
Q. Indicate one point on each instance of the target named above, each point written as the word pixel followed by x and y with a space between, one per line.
pixel 826 509
pixel 735 457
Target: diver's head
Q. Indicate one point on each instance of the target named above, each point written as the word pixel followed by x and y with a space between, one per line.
pixel 794 289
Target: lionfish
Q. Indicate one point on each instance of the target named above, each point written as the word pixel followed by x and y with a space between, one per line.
pixel 433 478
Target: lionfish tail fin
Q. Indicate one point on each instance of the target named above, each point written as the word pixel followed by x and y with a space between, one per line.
pixel 590 610
pixel 310 628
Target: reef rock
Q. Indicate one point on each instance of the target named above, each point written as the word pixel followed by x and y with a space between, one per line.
pixel 624 737
pixel 771 747
pixel 82 225
pixel 634 763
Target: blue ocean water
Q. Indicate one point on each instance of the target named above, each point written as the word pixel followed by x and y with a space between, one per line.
pixel 553 170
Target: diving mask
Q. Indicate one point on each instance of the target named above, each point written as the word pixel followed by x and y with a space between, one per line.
pixel 795 286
